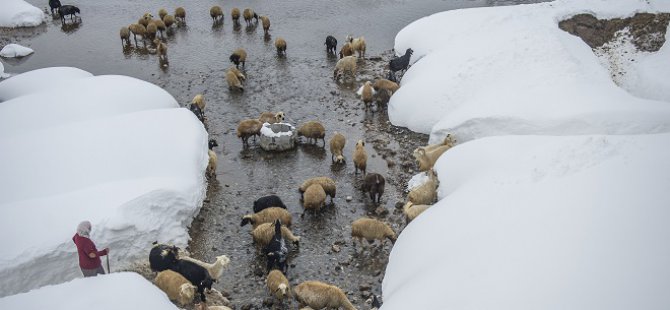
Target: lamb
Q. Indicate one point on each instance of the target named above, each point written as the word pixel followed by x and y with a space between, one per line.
pixel 278 285
pixel 145 19
pixel 366 92
pixel 426 193
pixel 235 15
pixel 215 269
pixel 169 20
pixel 248 15
pixel 162 13
pixel 239 55
pixel 345 65
pixel 346 50
pixel 215 12
pixel 266 24
pixel 337 143
pixel 162 256
pixel 358 45
pixel 271 117
pixel 280 44
pixel 399 63
pixel 161 49
pixel 374 184
pixel 313 130
pixel 211 165
pixel 151 31
pixel 176 287
pixel 314 198
pixel 180 14
pixel 248 128
pixel 331 44
pixel 276 251
pixel 360 157
pixel 198 275
pixel 319 295
pixel 268 215
pixel 54 5
pixel 233 79
pixel 412 210
pixel 124 33
pixel 138 29
pixel 268 202
pixel 329 186
pixel 371 230
pixel 263 234
pixel 68 10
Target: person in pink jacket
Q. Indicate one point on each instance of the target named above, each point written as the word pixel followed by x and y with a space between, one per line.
pixel 89 256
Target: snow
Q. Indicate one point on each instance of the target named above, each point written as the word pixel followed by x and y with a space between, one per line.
pixel 511 70
pixel 3 75
pixel 115 291
pixel 15 50
pixel 268 132
pixel 18 13
pixel 114 150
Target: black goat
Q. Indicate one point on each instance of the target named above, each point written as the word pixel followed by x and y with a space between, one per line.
pixel 162 256
pixel 374 184
pixel 331 44
pixel 399 64
pixel 268 201
pixel 68 10
pixel 198 112
pixel 54 5
pixel 196 274
pixel 276 251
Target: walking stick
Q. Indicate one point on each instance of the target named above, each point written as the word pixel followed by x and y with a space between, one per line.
pixel 107 258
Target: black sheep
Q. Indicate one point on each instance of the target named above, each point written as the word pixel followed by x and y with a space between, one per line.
pixel 268 201
pixel 68 10
pixel 331 44
pixel 198 112
pixel 196 274
pixel 212 143
pixel 162 256
pixel 276 251
pixel 54 5
pixel 399 64
pixel 375 302
pixel 374 184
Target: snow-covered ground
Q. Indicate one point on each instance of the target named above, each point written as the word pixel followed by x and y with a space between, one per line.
pixel 557 195
pixel 18 13
pixel 113 150
pixel 125 290
pixel 15 50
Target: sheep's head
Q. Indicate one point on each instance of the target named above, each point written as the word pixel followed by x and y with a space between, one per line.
pixel 449 140
pixel 186 293
pixel 279 117
pixel 282 290
pixel 207 283
pixel 235 58
pixel 360 144
pixel 223 260
pixel 339 159
pixel 147 16
pixel 409 51
pixel 212 143
pixel 246 220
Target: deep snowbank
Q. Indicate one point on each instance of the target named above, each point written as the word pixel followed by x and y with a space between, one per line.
pixel 53 78
pixel 536 222
pixel 111 292
pixel 115 150
pixel 511 70
pixel 18 13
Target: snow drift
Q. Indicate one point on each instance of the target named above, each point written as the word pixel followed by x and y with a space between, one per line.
pixel 113 150
pixel 15 50
pixel 18 13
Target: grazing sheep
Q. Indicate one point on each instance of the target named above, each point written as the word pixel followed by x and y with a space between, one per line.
pixel 263 234
pixel 367 94
pixel 215 12
pixel 162 13
pixel 169 20
pixel 54 5
pixel 371 230
pixel 337 143
pixel 266 24
pixel 278 285
pixel 235 15
pixel 427 156
pixel 329 186
pixel 216 268
pixel 233 79
pixel 211 165
pixel 248 14
pixel 145 19
pixel 161 49
pixel 239 55
pixel 198 275
pixel 345 65
pixel 412 210
pixel 314 199
pixel 160 25
pixel 448 140
pixel 162 256
pixel 176 287
pixel 360 157
pixel 276 251
pixel 313 130
pixel 124 33
pixel 151 31
pixel 374 184
pixel 271 117
pixel 280 44
pixel 389 87
pixel 331 44
pixel 248 128
pixel 425 193
pixel 180 14
pixel 346 50
pixel 238 73
pixel 68 10
pixel 268 215
pixel 138 29
pixel 399 64
pixel 269 201
pixel 319 295
pixel 358 45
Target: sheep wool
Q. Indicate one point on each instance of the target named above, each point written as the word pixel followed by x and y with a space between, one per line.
pixel 262 235
pixel 280 44
pixel 327 184
pixel 271 117
pixel 277 284
pixel 162 13
pixel 138 29
pixel 199 100
pixel 387 85
pixel 216 12
pixel 411 211
pixel 180 14
pixel 427 158
pixel 248 14
pixel 346 65
pixel 176 287
pixel 367 92
pixel 358 45
pixel 215 269
pixel 425 193
pixel 235 15
pixel 169 20
pixel 337 143
pixel 151 31
pixel 248 128
pixel 266 23
pixel 371 229
pixel 314 198
pixel 346 50
pixel 360 157
pixel 160 25
pixel 233 81
pixel 239 56
pixel 319 295
pixel 268 215
pixel 313 130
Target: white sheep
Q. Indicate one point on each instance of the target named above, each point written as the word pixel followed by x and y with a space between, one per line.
pixel 268 215
pixel 371 229
pixel 411 210
pixel 215 269
pixel 319 295
pixel 425 193
pixel 278 285
pixel 345 65
pixel 176 287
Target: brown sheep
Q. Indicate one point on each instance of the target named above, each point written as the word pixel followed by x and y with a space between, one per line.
pixel 268 215
pixel 280 44
pixel 411 210
pixel 263 234
pixel 160 25
pixel 278 285
pixel 162 13
pixel 319 295
pixel 248 128
pixel 199 100
pixel 384 84
pixel 266 24
pixel 337 143
pixel 176 287
pixel 271 117
pixel 235 15
pixel 329 186
pixel 371 230
pixel 239 56
pixel 151 31
pixel 345 65
pixel 161 50
pixel 313 130
pixel 425 193
pixel 360 157
pixel 169 20
pixel 180 14
pixel 238 73
pixel 124 33
pixel 448 140
pixel 145 19
pixel 346 50
pixel 138 29
pixel 426 156
pixel 248 14
pixel 367 92
pixel 374 184
pixel 314 198
pixel 215 12
pixel 233 79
